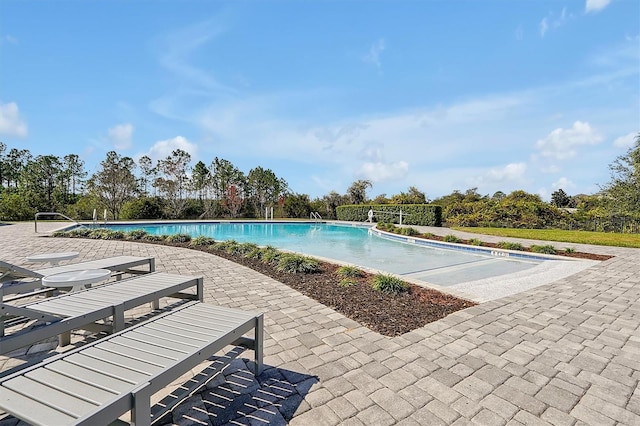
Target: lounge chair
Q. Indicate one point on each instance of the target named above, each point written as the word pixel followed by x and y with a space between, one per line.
pixel 99 382
pixel 11 276
pixel 58 316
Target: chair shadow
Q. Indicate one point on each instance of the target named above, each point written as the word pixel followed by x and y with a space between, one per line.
pixel 236 396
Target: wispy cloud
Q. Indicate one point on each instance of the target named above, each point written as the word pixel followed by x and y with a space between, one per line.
pixel 626 141
pixel 510 173
pixel 120 136
pixel 563 183
pixel 383 172
pixel 594 6
pixel 374 55
pixel 162 149
pixel 553 21
pixel 11 123
pixel 562 144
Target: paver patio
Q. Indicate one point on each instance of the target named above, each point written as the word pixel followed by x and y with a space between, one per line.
pixel 564 353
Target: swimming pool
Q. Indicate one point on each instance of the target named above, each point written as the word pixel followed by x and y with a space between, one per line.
pixel 356 245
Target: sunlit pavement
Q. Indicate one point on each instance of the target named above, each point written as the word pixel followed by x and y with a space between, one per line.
pixel 562 353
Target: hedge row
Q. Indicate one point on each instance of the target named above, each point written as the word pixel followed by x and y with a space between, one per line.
pixel 412 214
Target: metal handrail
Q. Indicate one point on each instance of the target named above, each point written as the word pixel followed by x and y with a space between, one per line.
pixel 51 214
pixel 315 216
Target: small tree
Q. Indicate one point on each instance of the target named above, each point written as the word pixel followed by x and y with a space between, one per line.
pixel 559 198
pixel 357 192
pixel 115 184
pixel 233 200
pixel 624 187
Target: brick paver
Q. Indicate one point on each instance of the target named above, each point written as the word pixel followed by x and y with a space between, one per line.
pixel 562 353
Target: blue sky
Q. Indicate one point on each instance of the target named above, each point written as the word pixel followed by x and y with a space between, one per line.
pixel 441 95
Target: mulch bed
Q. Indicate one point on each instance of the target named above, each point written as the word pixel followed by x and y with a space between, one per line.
pixel 387 314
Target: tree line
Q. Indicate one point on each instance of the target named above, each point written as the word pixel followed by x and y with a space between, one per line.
pixel 171 189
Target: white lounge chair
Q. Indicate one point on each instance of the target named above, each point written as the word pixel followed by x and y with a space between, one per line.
pixel 58 316
pixel 12 276
pixel 98 383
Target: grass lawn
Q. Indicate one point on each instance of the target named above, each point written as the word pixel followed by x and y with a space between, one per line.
pixel 579 237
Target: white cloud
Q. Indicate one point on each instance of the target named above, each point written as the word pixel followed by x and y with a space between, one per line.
pixel 563 183
pixel 509 173
pixel 162 149
pixel 562 144
pixel 625 141
pixel 596 5
pixel 382 172
pixel 10 121
pixel 375 53
pixel 120 136
pixel 551 21
pixel 544 26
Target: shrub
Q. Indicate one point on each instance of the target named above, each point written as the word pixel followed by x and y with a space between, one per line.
pixel 347 282
pixel 269 254
pixel 136 234
pixel 178 238
pixel 229 246
pixel 245 248
pixel 78 233
pixel 475 242
pixel 99 234
pixel 349 272
pixel 201 240
pixel 295 263
pixel 409 231
pixel 389 284
pixel 507 245
pixel 153 237
pixel 569 250
pixel 451 239
pixel 412 214
pixel 548 249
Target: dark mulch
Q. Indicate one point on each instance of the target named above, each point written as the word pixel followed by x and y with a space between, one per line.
pixel 389 315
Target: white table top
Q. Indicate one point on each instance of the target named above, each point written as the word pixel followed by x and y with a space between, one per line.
pixel 76 279
pixel 53 258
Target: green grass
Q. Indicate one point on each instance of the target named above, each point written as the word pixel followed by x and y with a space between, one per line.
pixel 578 237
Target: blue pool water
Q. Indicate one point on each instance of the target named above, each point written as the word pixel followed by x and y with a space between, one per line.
pixel 354 245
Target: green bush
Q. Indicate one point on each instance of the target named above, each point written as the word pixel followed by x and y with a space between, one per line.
pixel 245 248
pixel 409 231
pixel 178 238
pixel 99 234
pixel 412 214
pixel 389 284
pixel 269 254
pixel 347 282
pixel 451 239
pixel 77 233
pixel 201 241
pixel 136 234
pixel 348 271
pixel 475 242
pixel 295 263
pixel 229 246
pixel 142 208
pixel 569 250
pixel 507 245
pixel 547 249
pixel 153 237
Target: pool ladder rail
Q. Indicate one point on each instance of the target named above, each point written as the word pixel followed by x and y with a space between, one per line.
pixel 315 216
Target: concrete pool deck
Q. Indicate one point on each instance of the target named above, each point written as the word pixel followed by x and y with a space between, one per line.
pixel 561 353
